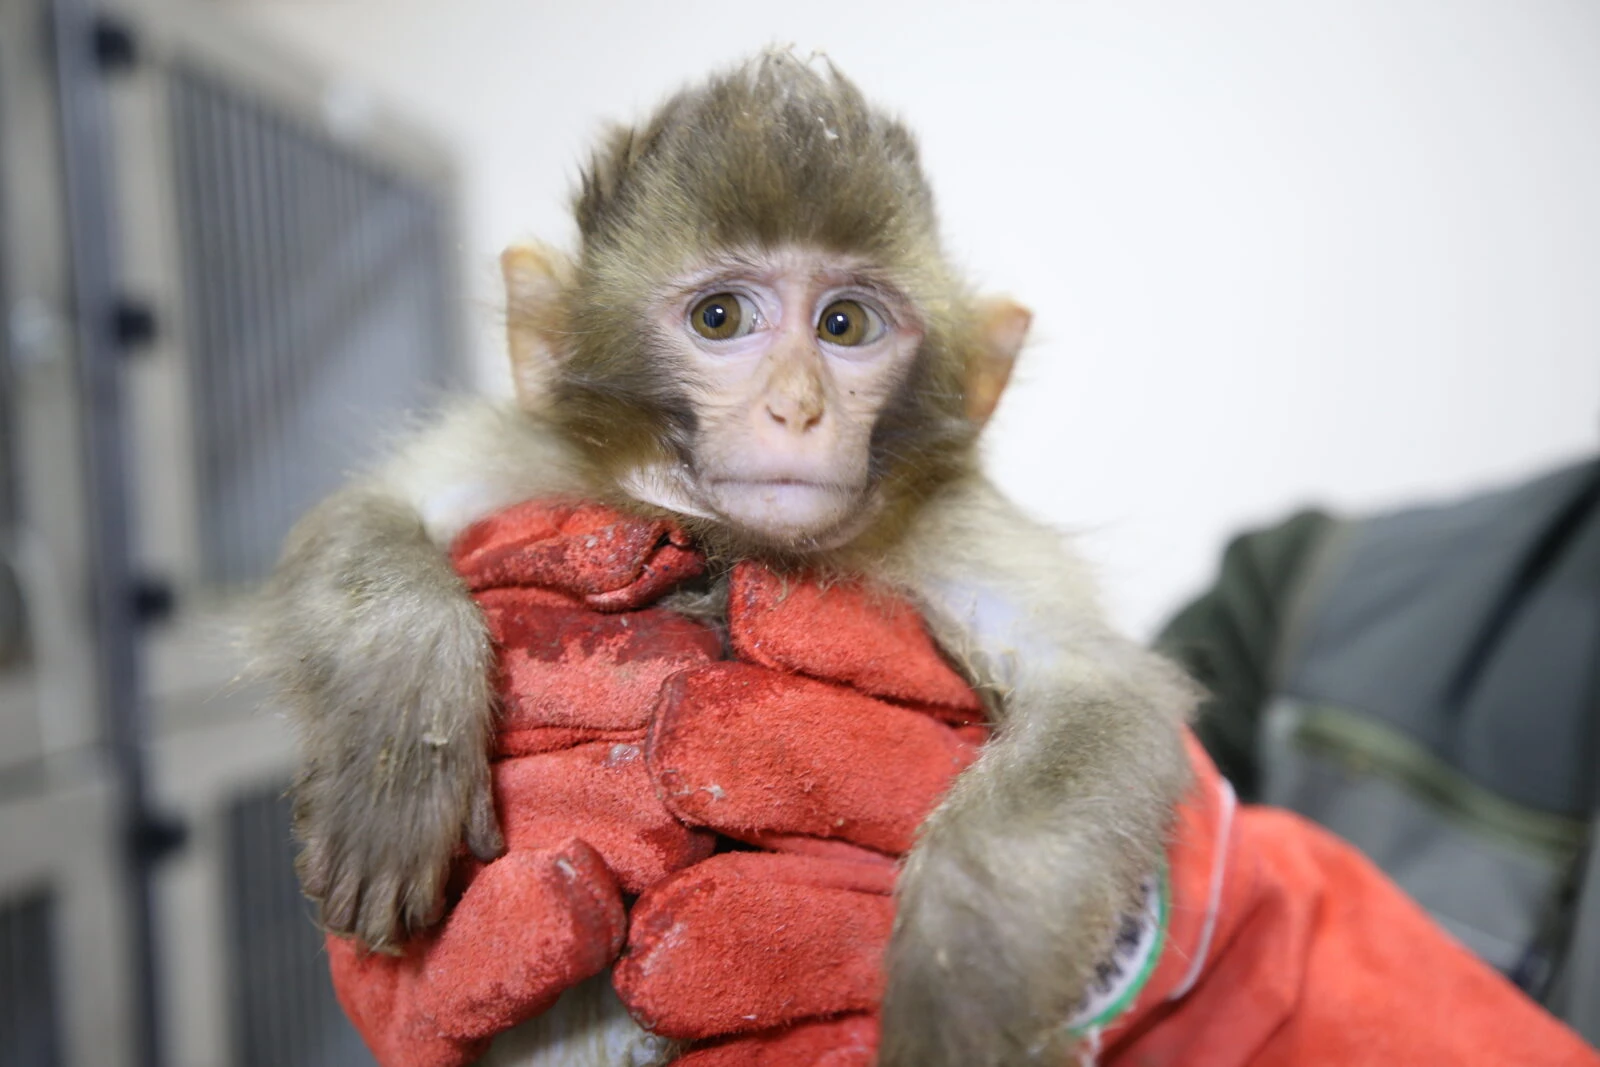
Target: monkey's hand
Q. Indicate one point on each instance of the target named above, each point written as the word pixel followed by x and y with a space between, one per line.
pixel 384 658
pixel 1015 891
pixel 1020 880
pixel 383 661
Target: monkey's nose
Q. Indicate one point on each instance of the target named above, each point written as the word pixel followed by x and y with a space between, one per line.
pixel 798 417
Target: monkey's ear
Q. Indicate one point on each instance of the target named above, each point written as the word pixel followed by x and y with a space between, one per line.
pixel 1002 328
pixel 536 276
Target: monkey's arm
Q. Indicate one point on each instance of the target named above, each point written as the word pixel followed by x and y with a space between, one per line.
pixel 1014 890
pixel 381 658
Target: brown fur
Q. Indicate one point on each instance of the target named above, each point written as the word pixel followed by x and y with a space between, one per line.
pixel 1006 903
pixel 384 664
pixel 774 152
pixel 1011 896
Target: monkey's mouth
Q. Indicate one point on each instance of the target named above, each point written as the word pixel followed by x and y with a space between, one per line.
pixel 784 509
pixel 747 484
pixel 781 509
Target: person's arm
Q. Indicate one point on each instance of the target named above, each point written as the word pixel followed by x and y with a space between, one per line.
pixel 1228 637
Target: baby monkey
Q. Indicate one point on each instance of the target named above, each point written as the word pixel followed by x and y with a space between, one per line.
pixel 759 337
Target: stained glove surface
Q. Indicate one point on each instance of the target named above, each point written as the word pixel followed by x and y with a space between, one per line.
pixel 568 595
pixel 629 748
pixel 1264 942
pixel 825 745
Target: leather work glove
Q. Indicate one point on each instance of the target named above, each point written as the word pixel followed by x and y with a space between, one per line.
pixel 567 593
pixel 1264 941
pixel 763 958
pixel 826 747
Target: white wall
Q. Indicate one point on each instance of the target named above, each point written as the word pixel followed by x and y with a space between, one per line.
pixel 1344 251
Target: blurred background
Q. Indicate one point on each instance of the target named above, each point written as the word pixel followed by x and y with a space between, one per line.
pixel 1344 253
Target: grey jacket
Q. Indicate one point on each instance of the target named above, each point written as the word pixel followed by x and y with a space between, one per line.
pixel 1426 684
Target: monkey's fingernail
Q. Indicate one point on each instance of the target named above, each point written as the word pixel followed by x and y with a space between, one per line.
pixel 484 839
pixel 486 843
pixel 380 930
pixel 386 945
pixel 422 903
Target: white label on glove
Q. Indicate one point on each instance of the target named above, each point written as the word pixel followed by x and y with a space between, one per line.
pixel 1118 980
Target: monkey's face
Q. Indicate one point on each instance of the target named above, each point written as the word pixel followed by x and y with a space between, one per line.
pixel 789 357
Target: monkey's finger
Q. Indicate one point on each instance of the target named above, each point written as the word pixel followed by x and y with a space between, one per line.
pixel 750 941
pixel 308 800
pixel 844 632
pixel 484 839
pixel 312 869
pixel 338 912
pixel 757 755
pixel 848 1041
pixel 381 908
pixel 378 888
pixel 419 901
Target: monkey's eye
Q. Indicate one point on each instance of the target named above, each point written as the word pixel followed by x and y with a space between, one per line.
pixel 849 323
pixel 721 317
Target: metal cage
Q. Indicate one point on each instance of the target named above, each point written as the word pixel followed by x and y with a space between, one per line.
pixel 223 273
pixel 30 1023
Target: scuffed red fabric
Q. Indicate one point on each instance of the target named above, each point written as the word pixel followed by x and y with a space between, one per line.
pixel 775 940
pixel 530 925
pixel 584 552
pixel 825 747
pixel 1310 955
pixel 854 768
pixel 569 675
pixel 843 632
pixel 602 795
pixel 567 592
pixel 1285 947
pixel 818 748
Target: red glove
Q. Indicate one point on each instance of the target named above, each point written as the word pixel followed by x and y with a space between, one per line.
pixel 824 768
pixel 1264 942
pixel 578 808
pixel 547 918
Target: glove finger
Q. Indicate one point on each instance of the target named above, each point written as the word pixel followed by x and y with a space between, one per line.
pixel 826 848
pixel 528 927
pixel 751 752
pixel 750 941
pixel 565 669
pixel 604 795
pixel 379 1005
pixel 843 632
pixel 588 552
pixel 849 1041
